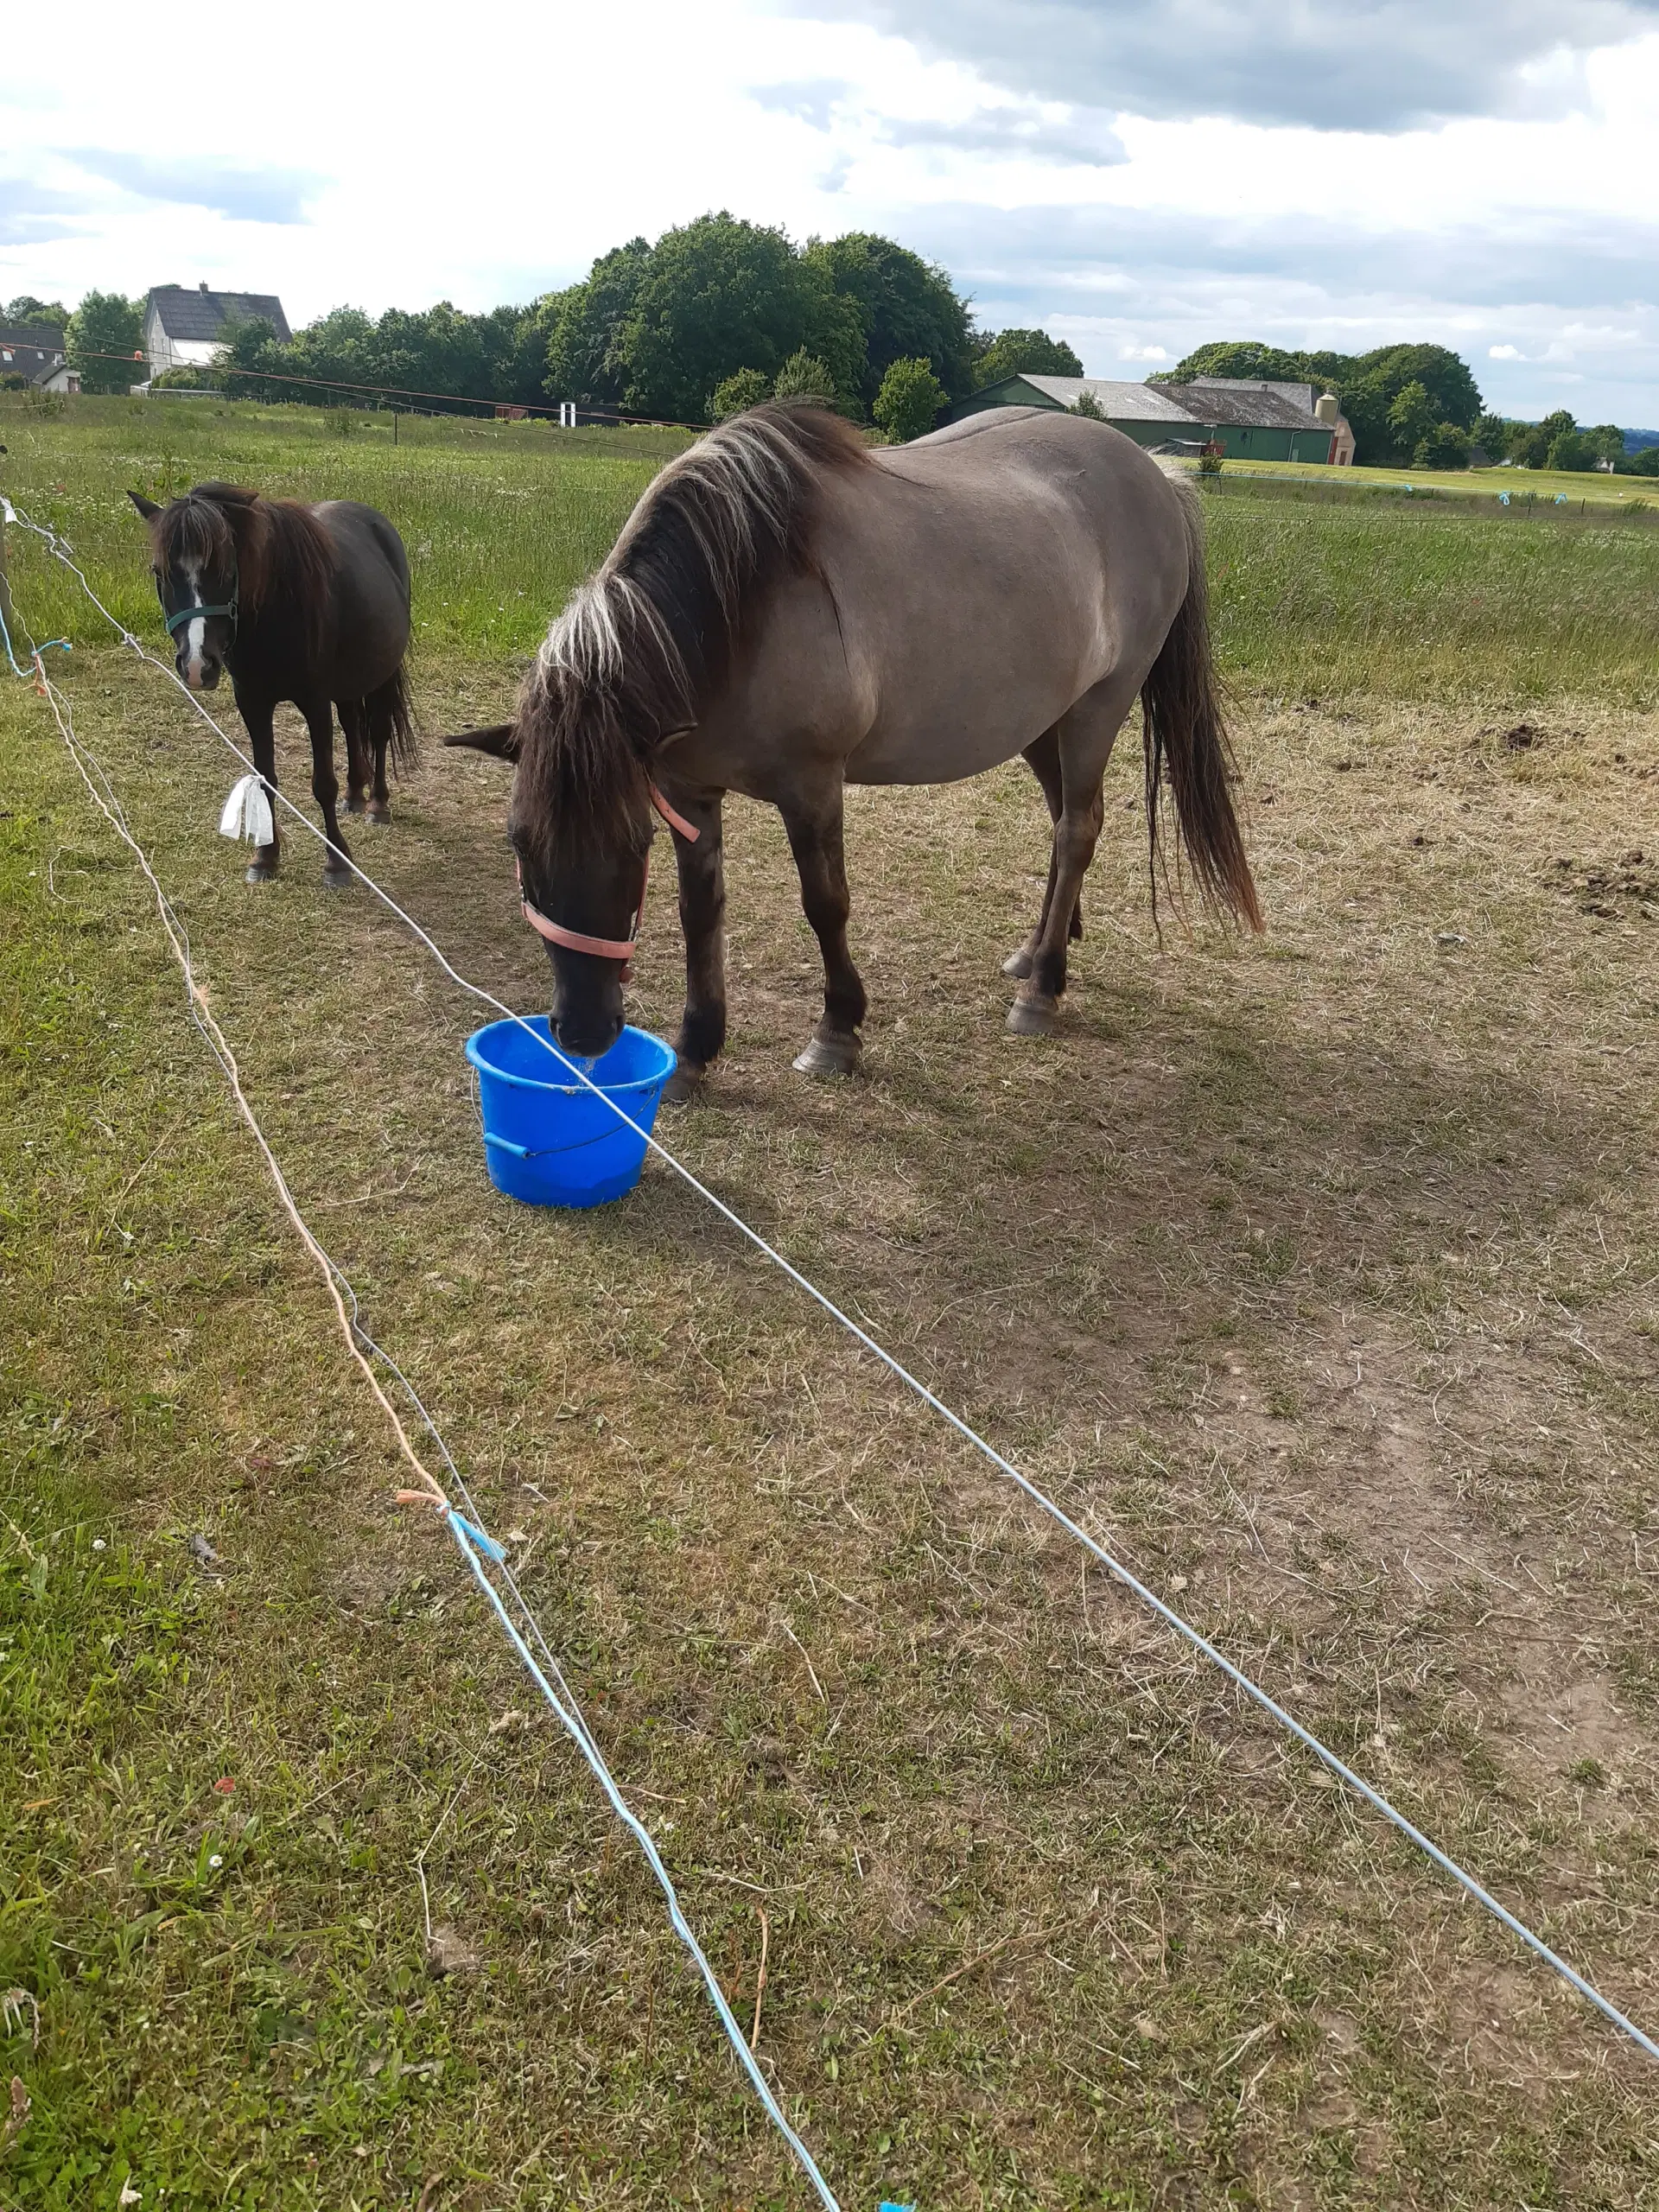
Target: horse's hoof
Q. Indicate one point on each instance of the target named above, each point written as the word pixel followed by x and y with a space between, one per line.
pixel 378 811
pixel 683 1085
pixel 260 871
pixel 354 803
pixel 1018 964
pixel 336 879
pixel 1033 1017
pixel 828 1056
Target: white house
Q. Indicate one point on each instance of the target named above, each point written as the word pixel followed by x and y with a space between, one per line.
pixel 185 329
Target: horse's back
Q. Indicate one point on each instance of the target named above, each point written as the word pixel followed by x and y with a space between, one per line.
pixel 371 596
pixel 365 534
pixel 987 577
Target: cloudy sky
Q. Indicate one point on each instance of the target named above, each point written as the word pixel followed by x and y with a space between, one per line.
pixel 1137 175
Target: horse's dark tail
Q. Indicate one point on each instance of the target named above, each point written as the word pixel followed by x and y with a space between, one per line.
pixel 1187 745
pixel 391 720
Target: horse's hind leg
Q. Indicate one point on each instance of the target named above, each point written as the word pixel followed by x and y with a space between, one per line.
pixel 359 765
pixel 1043 758
pixel 1086 734
pixel 378 728
pixel 815 838
pixel 325 789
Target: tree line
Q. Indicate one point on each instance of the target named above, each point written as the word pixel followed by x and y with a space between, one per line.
pixel 1418 406
pixel 717 312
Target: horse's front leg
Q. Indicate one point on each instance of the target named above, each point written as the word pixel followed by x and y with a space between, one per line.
pixel 703 921
pixel 815 838
pixel 325 789
pixel 259 720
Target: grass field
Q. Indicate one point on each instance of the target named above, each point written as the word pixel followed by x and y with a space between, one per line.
pixel 1316 1274
pixel 1479 488
pixel 1367 598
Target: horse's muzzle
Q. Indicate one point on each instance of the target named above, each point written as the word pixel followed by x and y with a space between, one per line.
pixel 589 1036
pixel 203 675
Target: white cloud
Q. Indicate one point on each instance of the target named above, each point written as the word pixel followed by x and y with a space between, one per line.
pixel 495 168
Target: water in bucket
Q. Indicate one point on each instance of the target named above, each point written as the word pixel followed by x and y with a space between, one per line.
pixel 548 1140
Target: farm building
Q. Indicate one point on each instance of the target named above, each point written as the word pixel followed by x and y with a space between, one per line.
pixel 35 351
pixel 185 329
pixel 1250 421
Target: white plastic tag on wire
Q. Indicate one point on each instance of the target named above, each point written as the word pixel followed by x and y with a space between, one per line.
pixel 247 812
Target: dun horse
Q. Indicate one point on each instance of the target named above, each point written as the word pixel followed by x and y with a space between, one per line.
pixel 787 611
pixel 305 603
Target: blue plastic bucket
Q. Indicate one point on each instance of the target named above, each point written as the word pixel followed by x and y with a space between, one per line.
pixel 554 1144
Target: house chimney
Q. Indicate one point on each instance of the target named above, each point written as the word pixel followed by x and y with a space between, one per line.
pixel 204 288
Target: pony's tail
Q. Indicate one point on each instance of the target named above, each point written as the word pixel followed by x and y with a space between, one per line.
pixel 391 717
pixel 1187 745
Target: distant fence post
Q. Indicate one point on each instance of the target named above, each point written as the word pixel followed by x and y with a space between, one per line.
pixel 567 414
pixel 5 589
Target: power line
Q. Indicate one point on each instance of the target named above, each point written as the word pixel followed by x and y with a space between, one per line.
pixel 401 391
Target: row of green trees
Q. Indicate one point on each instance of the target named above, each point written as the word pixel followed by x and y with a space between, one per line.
pixel 719 312
pixel 651 330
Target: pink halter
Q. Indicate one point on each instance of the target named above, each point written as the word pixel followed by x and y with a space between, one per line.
pixel 607 948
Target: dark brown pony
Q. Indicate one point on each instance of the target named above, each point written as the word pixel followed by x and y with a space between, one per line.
pixel 787 612
pixel 304 603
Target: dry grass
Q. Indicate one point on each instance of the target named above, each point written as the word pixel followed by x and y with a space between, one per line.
pixel 1317 1274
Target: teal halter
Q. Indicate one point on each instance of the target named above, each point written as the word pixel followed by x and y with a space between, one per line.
pixel 176 622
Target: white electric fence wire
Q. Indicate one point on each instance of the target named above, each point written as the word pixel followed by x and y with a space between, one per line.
pixel 1038 1498
pixel 565 1706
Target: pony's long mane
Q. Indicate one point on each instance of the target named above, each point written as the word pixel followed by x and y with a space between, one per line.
pixel 643 646
pixel 283 562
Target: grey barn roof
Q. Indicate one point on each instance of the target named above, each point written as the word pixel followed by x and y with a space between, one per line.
pixel 1133 402
pixel 1255 405
pixel 200 315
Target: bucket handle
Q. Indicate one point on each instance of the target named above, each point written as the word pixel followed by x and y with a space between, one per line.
pixel 547 1151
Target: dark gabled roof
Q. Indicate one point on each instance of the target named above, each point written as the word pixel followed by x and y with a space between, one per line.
pixel 204 315
pixel 46 336
pixel 36 351
pixel 1255 405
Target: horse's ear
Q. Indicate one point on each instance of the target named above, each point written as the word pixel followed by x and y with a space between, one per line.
pixel 500 740
pixel 147 508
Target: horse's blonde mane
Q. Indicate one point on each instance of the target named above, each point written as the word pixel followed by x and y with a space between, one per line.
pixel 643 646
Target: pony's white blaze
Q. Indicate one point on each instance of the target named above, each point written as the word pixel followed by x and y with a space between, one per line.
pixel 195 631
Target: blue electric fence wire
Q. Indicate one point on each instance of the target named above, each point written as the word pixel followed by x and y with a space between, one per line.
pixel 1038 1498
pixel 26 674
pixel 465 1538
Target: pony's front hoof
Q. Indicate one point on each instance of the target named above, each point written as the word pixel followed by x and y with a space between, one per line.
pixel 1018 964
pixel 683 1085
pixel 355 803
pixel 828 1056
pixel 1033 1016
pixel 260 871
pixel 378 811
pixel 336 876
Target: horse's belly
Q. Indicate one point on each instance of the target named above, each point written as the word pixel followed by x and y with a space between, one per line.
pixel 942 752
